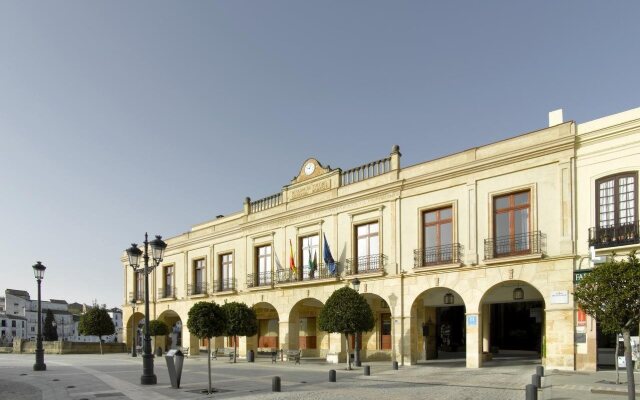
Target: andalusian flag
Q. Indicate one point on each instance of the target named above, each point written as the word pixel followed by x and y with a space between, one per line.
pixel 313 262
pixel 292 263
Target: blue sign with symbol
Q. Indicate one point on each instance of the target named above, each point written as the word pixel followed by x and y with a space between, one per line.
pixel 472 320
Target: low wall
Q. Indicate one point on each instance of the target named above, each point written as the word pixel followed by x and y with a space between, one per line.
pixel 60 347
pixel 6 349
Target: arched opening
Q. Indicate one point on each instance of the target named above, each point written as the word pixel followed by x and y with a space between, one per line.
pixel 304 333
pixel 174 339
pixel 377 344
pixel 267 339
pixel 135 331
pixel 513 321
pixel 439 315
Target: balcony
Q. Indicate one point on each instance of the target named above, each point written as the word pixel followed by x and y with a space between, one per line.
pixel 224 285
pixel 322 272
pixel 260 279
pixel 613 236
pixel 137 297
pixel 197 289
pixel 366 264
pixel 437 255
pixel 168 292
pixel 517 245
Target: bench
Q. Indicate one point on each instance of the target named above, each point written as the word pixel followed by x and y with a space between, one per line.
pixel 294 355
pixel 185 351
pixel 268 352
pixel 224 351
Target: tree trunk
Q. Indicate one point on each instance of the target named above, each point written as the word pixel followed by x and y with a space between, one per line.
pixel 100 341
pixel 631 384
pixel 235 349
pixel 616 360
pixel 346 336
pixel 209 362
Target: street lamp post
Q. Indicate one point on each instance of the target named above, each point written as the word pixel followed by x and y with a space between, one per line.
pixel 38 271
pixel 356 357
pixel 157 250
pixel 134 328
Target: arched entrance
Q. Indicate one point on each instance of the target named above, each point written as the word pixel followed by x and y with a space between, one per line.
pixel 174 339
pixel 304 333
pixel 377 344
pixel 267 340
pixel 439 315
pixel 135 330
pixel 513 320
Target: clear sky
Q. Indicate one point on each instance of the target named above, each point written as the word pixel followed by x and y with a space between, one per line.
pixel 121 117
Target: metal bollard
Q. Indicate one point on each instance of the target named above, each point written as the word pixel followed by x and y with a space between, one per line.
pixel 535 381
pixel 395 365
pixel 540 370
pixel 332 375
pixel 367 370
pixel 275 384
pixel 251 356
pixel 531 393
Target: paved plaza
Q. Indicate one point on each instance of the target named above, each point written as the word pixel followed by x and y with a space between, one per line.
pixel 117 377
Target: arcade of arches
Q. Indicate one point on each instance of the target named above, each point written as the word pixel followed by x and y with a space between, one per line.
pixel 441 322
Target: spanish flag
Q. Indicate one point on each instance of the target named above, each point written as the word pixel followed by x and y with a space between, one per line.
pixel 292 263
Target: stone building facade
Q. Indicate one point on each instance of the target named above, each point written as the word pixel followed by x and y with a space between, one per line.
pixel 472 255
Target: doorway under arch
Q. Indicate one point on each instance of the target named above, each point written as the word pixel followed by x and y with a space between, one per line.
pixel 304 333
pixel 439 322
pixel 513 321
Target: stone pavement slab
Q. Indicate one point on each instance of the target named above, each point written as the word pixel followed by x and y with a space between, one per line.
pixel 117 377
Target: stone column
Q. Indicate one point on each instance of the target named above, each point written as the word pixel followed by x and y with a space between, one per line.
pixel 474 340
pixel 558 344
pixel 191 341
pixel 337 349
pixel 486 328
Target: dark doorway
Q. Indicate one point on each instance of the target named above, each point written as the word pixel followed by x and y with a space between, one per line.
pixel 450 333
pixel 517 326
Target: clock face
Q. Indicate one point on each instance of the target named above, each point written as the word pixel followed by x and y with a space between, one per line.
pixel 309 168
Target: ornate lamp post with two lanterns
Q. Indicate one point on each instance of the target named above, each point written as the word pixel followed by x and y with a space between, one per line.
pixel 157 250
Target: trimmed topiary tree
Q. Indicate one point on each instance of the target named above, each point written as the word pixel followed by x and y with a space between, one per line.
pixel 207 320
pixel 241 321
pixel 610 293
pixel 49 332
pixel 96 322
pixel 158 328
pixel 348 313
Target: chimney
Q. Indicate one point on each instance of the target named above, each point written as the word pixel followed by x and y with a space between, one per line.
pixel 555 117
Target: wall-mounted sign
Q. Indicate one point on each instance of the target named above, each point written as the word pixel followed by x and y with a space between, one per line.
pixel 578 275
pixel 560 297
pixel 472 320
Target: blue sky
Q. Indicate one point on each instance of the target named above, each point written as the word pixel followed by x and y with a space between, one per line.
pixel 119 117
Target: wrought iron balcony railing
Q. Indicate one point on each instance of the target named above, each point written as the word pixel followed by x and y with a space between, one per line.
pixel 515 245
pixel 136 296
pixel 167 292
pixel 259 279
pixel 365 264
pixel 197 288
pixel 322 272
pixel 437 255
pixel 612 236
pixel 224 285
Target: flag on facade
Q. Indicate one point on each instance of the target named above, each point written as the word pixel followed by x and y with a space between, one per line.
pixel 328 258
pixel 313 263
pixel 292 263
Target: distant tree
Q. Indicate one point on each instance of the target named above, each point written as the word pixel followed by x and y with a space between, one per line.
pixel 241 321
pixel 96 322
pixel 158 328
pixel 348 313
pixel 610 293
pixel 49 332
pixel 206 320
